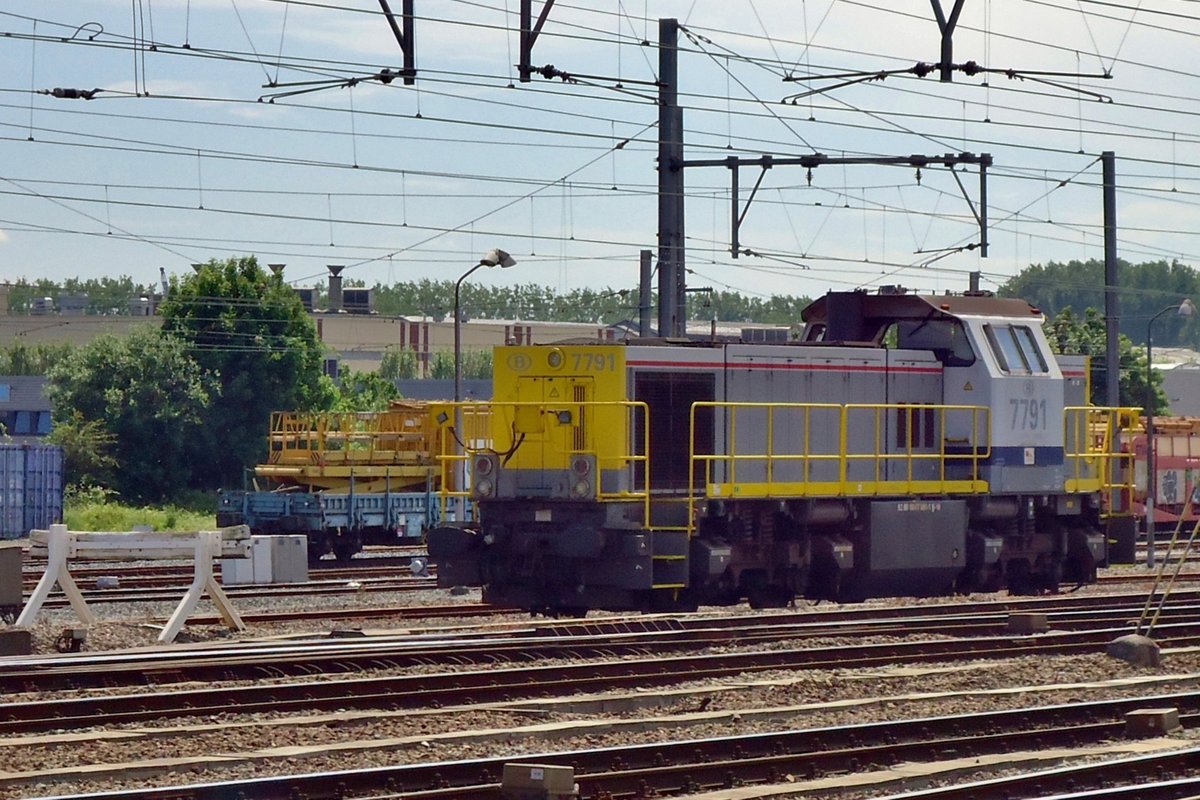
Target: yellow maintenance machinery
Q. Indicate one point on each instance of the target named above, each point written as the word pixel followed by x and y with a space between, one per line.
pixel 349 479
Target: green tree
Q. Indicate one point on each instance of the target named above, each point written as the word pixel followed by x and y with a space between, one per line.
pixel 87 449
pixel 398 364
pixel 605 306
pixel 364 391
pixel 250 330
pixel 21 359
pixel 148 395
pixel 1145 289
pixel 1071 335
pixel 105 295
pixel 475 364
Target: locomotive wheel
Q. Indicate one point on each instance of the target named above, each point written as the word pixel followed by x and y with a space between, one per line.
pixel 318 546
pixel 664 601
pixel 770 597
pixel 1019 580
pixel 344 551
pixel 1048 574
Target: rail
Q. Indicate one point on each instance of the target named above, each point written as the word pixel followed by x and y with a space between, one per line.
pixel 830 450
pixel 542 436
pixel 1095 458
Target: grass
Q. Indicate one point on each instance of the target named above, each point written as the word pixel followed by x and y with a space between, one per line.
pixel 95 510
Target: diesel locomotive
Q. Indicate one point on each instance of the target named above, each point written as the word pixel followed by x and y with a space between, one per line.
pixel 900 444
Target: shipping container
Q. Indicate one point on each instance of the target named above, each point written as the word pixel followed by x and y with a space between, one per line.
pixel 31 488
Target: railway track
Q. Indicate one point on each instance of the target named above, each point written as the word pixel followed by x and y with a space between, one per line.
pixel 643 665
pixel 545 639
pixel 791 756
pixel 391 613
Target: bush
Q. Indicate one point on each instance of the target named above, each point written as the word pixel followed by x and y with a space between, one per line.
pixel 92 508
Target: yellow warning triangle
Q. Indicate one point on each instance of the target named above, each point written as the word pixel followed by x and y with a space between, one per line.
pixel 553 392
pixel 967 387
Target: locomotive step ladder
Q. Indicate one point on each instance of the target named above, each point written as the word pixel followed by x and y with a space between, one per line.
pixel 669 559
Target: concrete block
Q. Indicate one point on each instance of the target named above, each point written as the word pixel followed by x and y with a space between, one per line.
pixel 1147 722
pixel 538 782
pixel 272 559
pixel 16 642
pixel 261 552
pixel 1028 622
pixel 237 571
pixel 289 559
pixel 1136 649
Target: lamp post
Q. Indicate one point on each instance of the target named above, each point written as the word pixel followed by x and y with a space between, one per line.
pixel 492 258
pixel 1185 309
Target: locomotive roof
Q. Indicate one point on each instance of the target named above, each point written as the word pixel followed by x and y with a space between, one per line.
pixel 858 316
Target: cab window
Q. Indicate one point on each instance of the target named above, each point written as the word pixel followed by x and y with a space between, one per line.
pixel 946 338
pixel 1016 349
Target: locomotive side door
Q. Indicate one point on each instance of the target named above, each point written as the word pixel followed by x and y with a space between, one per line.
pixel 669 397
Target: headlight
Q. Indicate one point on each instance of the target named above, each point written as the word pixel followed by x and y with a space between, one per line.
pixel 582 488
pixel 484 488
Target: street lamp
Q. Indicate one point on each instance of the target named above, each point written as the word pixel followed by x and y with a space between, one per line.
pixel 493 258
pixel 1185 309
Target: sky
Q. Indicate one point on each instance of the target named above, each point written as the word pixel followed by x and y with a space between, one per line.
pixel 192 150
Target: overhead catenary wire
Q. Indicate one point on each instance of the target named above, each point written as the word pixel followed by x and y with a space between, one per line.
pixel 724 138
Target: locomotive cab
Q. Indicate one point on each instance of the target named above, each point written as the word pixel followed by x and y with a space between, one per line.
pixel 1033 526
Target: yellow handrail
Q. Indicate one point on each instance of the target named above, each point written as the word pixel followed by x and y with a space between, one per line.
pixel 478 435
pixel 1093 454
pixel 792 466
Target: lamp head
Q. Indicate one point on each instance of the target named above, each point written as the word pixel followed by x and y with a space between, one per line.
pixel 498 258
pixel 1187 308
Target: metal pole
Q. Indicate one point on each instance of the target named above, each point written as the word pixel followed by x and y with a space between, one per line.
pixel 1186 309
pixel 670 182
pixel 458 333
pixel 459 513
pixel 983 205
pixel 644 322
pixel 1151 483
pixel 1112 313
pixel 457 345
pixel 526 43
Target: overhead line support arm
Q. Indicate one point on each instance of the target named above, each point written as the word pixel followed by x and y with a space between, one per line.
pixel 529 35
pixel 946 26
pixel 405 37
pixel 814 160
